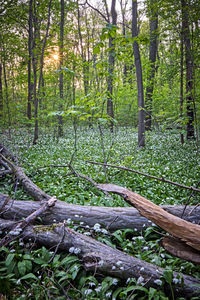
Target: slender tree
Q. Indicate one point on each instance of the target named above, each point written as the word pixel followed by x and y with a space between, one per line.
pixel 30 45
pixel 136 51
pixel 189 70
pixel 62 17
pixel 1 93
pixel 152 59
pixel 111 63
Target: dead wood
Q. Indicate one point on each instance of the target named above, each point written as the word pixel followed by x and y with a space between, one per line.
pixel 179 249
pixel 30 218
pixel 112 218
pixel 184 230
pixel 99 258
pixel 195 189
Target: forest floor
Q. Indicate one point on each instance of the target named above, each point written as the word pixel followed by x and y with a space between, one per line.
pixel 46 164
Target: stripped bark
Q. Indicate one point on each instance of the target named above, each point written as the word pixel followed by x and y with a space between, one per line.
pixel 100 258
pixel 185 231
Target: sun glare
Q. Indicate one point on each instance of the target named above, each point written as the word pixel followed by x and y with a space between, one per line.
pixel 55 56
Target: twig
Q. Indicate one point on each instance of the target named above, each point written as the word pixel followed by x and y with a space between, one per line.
pixel 58 245
pixel 147 175
pixel 94 8
pixel 188 201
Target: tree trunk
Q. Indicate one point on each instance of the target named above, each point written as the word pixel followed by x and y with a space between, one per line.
pixel 181 85
pixel 111 63
pixel 37 90
pixel 1 95
pixel 30 45
pixel 112 218
pixel 100 258
pixel 152 59
pixel 141 127
pixel 189 70
pixel 60 119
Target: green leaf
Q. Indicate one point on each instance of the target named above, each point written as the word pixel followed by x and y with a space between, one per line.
pixel 9 258
pixel 29 276
pixel 21 267
pixel 168 276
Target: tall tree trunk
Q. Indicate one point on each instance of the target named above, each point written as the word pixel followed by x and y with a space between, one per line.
pixel 111 63
pixel 181 85
pixel 30 45
pixel 189 70
pixel 62 15
pixel 6 95
pixel 136 51
pixel 37 89
pixel 1 94
pixel 152 59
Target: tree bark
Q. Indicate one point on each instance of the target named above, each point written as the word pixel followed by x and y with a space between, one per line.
pixel 30 45
pixel 112 218
pixel 62 16
pixel 100 258
pixel 1 94
pixel 189 70
pixel 185 231
pixel 152 59
pixel 141 127
pixel 111 64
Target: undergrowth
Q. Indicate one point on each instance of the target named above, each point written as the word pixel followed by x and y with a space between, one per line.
pixel 29 273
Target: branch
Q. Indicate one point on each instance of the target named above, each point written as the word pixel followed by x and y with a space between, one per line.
pixel 100 13
pixel 14 233
pixel 147 175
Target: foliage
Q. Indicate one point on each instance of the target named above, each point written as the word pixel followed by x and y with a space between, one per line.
pixel 29 273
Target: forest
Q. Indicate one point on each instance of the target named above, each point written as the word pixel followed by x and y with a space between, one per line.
pixel 99 149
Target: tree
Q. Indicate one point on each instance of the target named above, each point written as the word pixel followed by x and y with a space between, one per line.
pixel 189 69
pixel 152 59
pixel 136 51
pixel 62 17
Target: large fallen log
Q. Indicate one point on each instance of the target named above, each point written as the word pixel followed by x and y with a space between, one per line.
pixel 100 258
pixel 112 218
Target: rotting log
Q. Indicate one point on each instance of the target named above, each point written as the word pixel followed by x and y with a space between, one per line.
pixel 100 258
pixel 184 230
pixel 112 218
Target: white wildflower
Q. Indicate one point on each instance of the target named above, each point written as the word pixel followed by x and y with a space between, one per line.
pixel 162 255
pixel 113 267
pixel 104 231
pixel 140 280
pixel 98 289
pixel 77 251
pixel 87 233
pixel 142 269
pixel 87 292
pixel 115 281
pixel 71 250
pixel 158 282
pixel 175 280
pixel 119 263
pixel 122 268
pixel 108 294
pixel 92 284
pixel 101 262
pixel 77 216
pixel 146 248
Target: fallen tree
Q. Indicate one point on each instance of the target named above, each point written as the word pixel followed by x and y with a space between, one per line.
pixel 99 258
pixel 95 255
pixel 112 218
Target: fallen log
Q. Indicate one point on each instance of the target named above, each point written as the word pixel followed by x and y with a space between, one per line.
pixel 112 218
pixel 185 231
pixel 100 258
